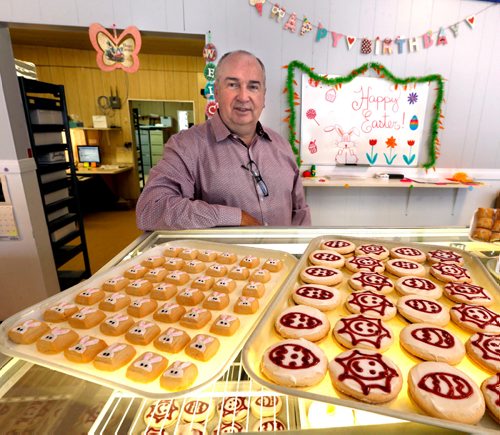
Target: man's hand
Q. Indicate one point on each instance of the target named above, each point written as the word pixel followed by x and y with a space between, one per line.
pixel 248 220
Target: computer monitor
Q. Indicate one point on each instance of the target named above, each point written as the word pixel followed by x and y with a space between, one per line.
pixel 89 154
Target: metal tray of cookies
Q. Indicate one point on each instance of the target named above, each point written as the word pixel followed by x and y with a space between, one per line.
pixel 401 407
pixel 208 371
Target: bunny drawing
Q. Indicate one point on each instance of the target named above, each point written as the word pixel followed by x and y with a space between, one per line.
pixel 170 335
pixel 176 370
pixel 148 360
pixel 56 332
pixel 81 346
pixel 346 153
pixel 110 351
pixel 201 341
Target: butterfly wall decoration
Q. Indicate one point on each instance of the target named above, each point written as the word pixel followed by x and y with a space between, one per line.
pixel 116 51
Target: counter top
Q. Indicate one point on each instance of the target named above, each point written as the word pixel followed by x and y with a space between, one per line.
pixel 331 181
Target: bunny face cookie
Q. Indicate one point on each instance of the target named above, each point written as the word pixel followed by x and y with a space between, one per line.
pixel 28 331
pixel 116 325
pixel 147 367
pixel 178 376
pixel 56 340
pixel 85 350
pixel 172 340
pixel 114 357
pixel 202 347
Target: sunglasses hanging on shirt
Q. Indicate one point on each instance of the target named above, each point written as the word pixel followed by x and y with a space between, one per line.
pixel 254 170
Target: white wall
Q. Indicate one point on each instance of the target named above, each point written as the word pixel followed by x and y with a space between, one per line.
pixel 470 64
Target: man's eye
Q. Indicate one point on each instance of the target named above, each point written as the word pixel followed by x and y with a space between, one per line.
pixel 254 87
pixel 233 85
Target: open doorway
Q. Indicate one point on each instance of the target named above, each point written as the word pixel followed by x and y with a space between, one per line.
pixel 153 123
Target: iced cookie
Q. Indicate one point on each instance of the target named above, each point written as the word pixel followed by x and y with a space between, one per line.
pixel 432 343
pixel 301 321
pixel 196 318
pixel 115 284
pixel 90 296
pixel 146 367
pixel 408 253
pixel 364 264
pixel 194 266
pixel 416 285
pixel 444 255
pixel 198 410
pixel 233 408
pixel 364 332
pixel 156 275
pixel 216 301
pixel 162 414
pixel 371 281
pixel 343 247
pixel 484 350
pixel 173 340
pixel 400 267
pixel 269 424
pixel 366 375
pixel 250 261
pixel 239 273
pixel 56 340
pixel 216 270
pixel 204 283
pixel 322 297
pixel 136 272
pixel 139 287
pixel 114 357
pixel 142 332
pixel 254 289
pixel 327 258
pixel 60 312
pixel 153 261
pixel 174 264
pixel 202 347
pixel 465 293
pixel 178 376
pixel 85 349
pixel 116 325
pixel 371 304
pixel 177 277
pixel 273 265
pixel 225 285
pixel 28 331
pixel 265 406
pixel 207 255
pixel 142 307
pixel 294 363
pixel 231 427
pixel 189 297
pixel 163 291
pixel 227 258
pixel 474 318
pixel 260 275
pixel 225 324
pixel 373 250
pixel 114 302
pixel 169 313
pixel 321 275
pixel 86 318
pixel 443 391
pixel 490 388
pixel 246 305
pixel 419 309
pixel 450 272
pixel 172 251
pixel 188 254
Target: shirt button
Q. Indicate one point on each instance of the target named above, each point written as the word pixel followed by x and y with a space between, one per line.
pixel 261 199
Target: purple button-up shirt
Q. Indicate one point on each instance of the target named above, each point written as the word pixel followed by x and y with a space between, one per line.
pixel 202 181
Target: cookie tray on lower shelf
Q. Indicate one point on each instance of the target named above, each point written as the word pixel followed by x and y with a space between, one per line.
pixel 401 407
pixel 208 371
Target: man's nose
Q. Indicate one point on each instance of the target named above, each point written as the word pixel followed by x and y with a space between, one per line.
pixel 243 94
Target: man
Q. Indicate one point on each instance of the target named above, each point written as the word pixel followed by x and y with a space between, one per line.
pixel 229 171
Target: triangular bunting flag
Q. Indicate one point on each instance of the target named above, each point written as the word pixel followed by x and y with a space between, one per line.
pixel 350 40
pixel 471 21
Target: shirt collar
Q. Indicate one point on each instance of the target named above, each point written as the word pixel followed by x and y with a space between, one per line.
pixel 221 131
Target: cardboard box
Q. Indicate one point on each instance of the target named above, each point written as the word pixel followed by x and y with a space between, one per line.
pixel 99 121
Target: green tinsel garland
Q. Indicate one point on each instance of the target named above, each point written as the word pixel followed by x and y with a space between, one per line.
pixel 380 69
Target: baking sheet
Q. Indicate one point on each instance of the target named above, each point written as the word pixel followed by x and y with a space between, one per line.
pixel 207 371
pixel 265 335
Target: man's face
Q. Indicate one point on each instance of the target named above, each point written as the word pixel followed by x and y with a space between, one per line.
pixel 240 91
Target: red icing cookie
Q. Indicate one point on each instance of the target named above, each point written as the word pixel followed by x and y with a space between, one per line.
pixel 162 413
pixel 379 252
pixel 476 318
pixel 444 255
pixel 301 321
pixel 371 304
pixel 484 349
pixel 450 272
pixel 371 281
pixel 321 275
pixel 341 246
pixel 364 263
pixel 465 293
pixel 408 253
pixel 322 297
pixel 418 309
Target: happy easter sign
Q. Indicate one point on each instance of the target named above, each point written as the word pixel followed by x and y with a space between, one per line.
pixel 367 121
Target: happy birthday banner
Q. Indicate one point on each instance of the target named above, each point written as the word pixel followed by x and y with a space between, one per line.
pixel 377 45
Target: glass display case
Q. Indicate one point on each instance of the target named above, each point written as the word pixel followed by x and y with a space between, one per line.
pixel 34 399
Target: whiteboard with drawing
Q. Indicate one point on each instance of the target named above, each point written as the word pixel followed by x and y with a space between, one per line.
pixel 367 121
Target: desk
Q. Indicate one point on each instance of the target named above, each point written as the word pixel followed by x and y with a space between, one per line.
pixel 106 170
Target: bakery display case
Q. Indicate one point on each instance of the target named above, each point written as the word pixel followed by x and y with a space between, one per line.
pixel 38 399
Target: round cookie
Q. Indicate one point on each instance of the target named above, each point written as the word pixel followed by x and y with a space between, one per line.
pixel 294 363
pixel 191 428
pixel 431 343
pixel 484 350
pixel 444 255
pixel 465 293
pixel 373 250
pixel 231 427
pixel 265 406
pixel 366 375
pixel 321 275
pixel 416 285
pixel 302 321
pixel 233 408
pixel 364 264
pixel 419 309
pixel 400 267
pixel 197 410
pixel 343 247
pixel 445 392
pixel 490 388
pixel 269 424
pixel 450 272
pixel 371 281
pixel 408 253
pixel 476 318
pixel 162 413
pixel 327 258
pixel 364 332
pixel 371 304
pixel 322 297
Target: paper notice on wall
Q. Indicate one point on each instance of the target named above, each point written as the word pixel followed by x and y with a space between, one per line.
pixel 367 121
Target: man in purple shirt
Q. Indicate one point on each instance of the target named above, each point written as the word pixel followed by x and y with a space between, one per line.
pixel 229 171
